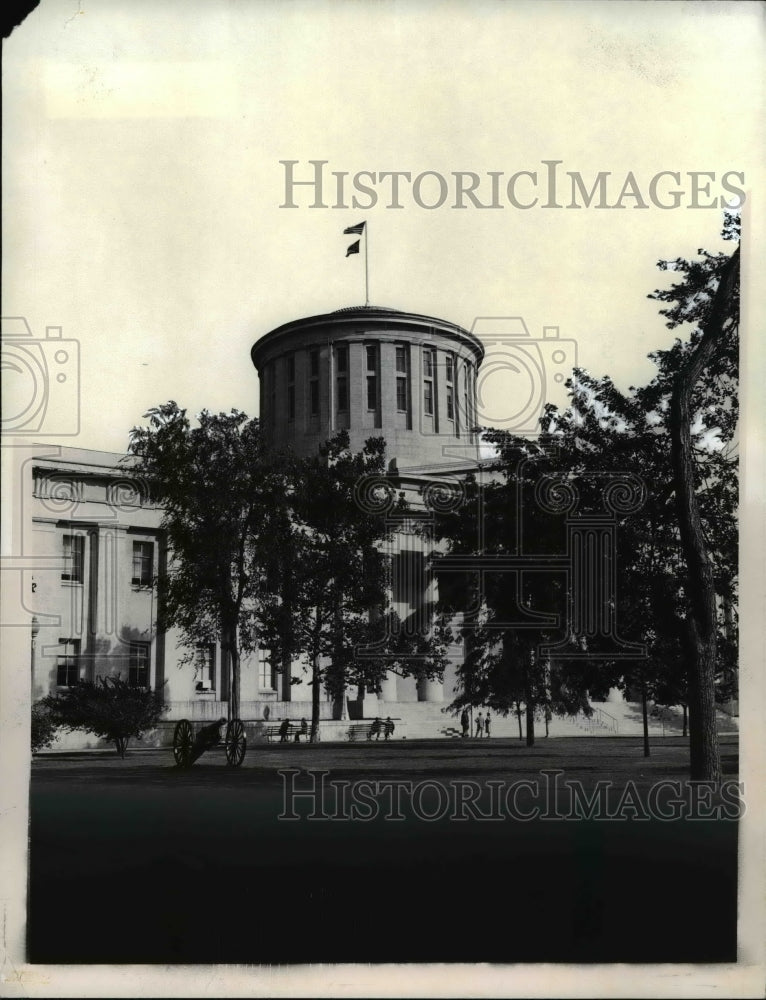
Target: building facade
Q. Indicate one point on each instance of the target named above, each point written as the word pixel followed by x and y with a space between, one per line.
pixel 374 372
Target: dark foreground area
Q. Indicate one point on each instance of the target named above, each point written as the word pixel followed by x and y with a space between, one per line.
pixel 133 861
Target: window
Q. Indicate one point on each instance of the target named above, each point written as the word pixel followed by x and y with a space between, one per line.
pixel 428 383
pixel 291 387
pixel 341 358
pixel 143 564
pixel 204 667
pixel 372 377
pixel 138 664
pixel 450 403
pixel 428 397
pixel 74 551
pixel 401 393
pixel 314 383
pixel 402 378
pixel 450 368
pixel 267 672
pixel 342 393
pixel 68 662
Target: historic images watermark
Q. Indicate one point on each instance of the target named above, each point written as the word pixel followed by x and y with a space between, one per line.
pixel 312 795
pixel 548 185
pixel 41 381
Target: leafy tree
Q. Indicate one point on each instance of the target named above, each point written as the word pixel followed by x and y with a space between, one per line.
pixel 111 708
pixel 607 433
pixel 221 497
pixel 44 727
pixel 513 611
pixel 330 578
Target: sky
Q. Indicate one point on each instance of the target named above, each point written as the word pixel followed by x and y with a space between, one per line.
pixel 143 184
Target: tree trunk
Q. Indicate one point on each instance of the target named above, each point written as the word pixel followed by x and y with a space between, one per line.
pixel 644 716
pixel 686 721
pixel 231 647
pixel 529 698
pixel 121 745
pixel 518 716
pixel 705 756
pixel 315 685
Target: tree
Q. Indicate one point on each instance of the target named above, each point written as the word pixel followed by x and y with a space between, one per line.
pixel 513 612
pixel 111 708
pixel 329 577
pixel 661 600
pixel 718 322
pixel 221 497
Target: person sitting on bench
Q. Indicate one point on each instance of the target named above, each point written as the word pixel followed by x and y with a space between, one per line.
pixel 389 727
pixel 284 731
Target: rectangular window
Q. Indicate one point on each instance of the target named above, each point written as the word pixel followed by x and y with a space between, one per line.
pixel 343 393
pixel 204 667
pixel 291 387
pixel 401 393
pixel 68 662
pixel 342 358
pixel 372 358
pixel 401 359
pixel 267 672
pixel 138 664
pixel 74 553
pixel 428 363
pixel 428 397
pixel 314 383
pixel 450 368
pixel 143 564
pixel 450 403
pixel 372 392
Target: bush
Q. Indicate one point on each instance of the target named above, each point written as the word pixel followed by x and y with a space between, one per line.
pixel 110 708
pixel 44 728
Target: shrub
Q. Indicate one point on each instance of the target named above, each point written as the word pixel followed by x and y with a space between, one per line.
pixel 44 728
pixel 110 708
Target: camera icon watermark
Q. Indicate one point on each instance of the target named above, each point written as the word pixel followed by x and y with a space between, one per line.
pixel 520 373
pixel 40 381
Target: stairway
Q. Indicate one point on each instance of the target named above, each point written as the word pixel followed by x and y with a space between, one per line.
pixel 430 720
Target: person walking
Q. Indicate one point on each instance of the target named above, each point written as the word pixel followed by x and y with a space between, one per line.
pixel 479 725
pixel 487 724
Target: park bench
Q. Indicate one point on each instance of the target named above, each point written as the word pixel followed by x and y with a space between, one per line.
pixel 364 730
pixel 274 735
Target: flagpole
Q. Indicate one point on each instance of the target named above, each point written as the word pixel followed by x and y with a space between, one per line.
pixel 366 271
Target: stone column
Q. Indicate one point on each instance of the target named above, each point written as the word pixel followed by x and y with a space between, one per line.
pixel 388 687
pixel 430 690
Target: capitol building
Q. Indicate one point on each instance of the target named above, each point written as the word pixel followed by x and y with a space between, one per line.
pixel 374 372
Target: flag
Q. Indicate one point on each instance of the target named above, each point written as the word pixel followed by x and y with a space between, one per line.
pixel 356 230
pixel 354 248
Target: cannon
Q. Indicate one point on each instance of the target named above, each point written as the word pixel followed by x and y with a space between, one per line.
pixel 189 746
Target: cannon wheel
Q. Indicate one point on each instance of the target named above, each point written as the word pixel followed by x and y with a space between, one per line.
pixel 183 740
pixel 236 742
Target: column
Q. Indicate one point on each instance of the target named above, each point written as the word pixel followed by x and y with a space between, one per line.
pixel 388 687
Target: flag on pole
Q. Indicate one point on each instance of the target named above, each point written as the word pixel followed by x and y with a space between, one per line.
pixel 356 230
pixel 354 248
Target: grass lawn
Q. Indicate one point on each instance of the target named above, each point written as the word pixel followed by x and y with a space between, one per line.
pixel 136 861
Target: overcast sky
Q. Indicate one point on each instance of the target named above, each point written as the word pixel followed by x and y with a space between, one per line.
pixel 143 184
